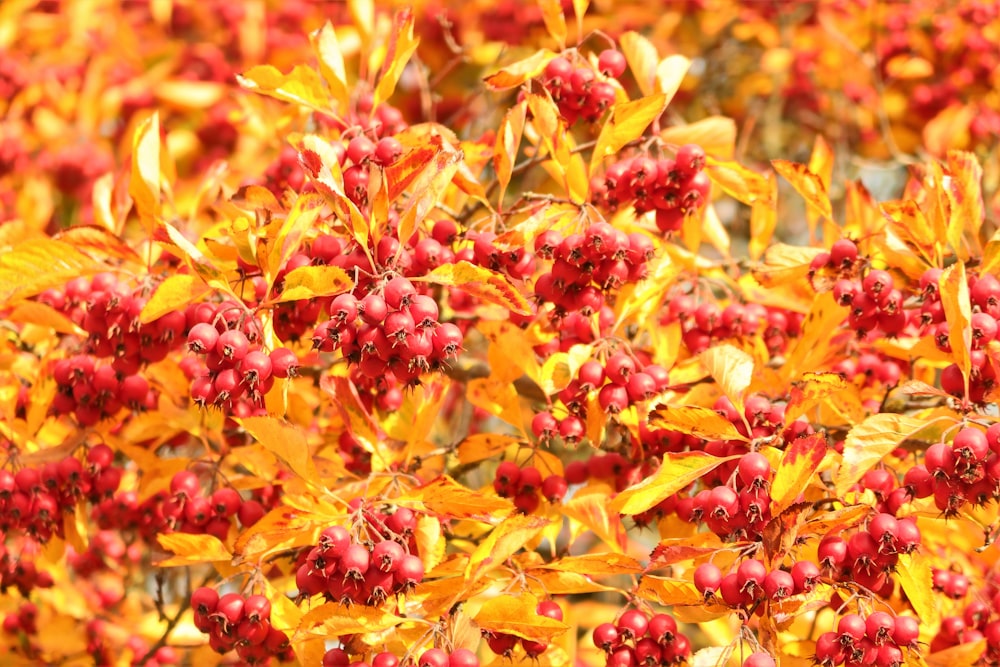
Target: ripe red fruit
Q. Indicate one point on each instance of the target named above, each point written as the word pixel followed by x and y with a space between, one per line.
pixel 852 628
pixel 460 657
pixel 843 253
pixel 690 160
pixel 707 578
pixel 754 470
pixel 387 555
pixel 229 610
pixel 612 63
pixel 185 484
pixel 336 657
pixel 204 600
pixel 778 584
pixel 387 151
pixel 759 659
pixel 550 609
pixel 360 149
pixel 202 338
pixel 257 608
pixel 805 574
pixel 633 623
pixel 232 345
pixel 554 488
pixel 284 363
pixel 970 444
pixel 434 657
pixel 750 576
pixel 879 627
pixel 662 628
pixel 605 636
pixel 354 562
pixel 410 572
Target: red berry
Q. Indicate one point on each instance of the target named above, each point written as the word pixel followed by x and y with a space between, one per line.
pixel 612 63
pixel 633 623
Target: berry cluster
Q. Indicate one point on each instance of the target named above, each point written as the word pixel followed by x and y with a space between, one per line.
pixel 673 188
pixel 744 509
pixel 363 572
pixel 504 644
pixel 432 657
pixel 577 328
pixel 108 309
pixel 17 571
pixel 105 648
pixel 705 323
pixel 384 120
pixel 966 470
pixel 870 555
pixel 24 620
pixel 526 486
pixel 578 91
pixel 640 639
pixel 589 265
pixel 751 583
pixel 91 390
pixel 392 331
pixel 237 372
pixel 877 639
pixel 34 499
pixel 233 621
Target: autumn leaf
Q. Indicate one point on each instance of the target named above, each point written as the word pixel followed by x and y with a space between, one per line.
pixel 807 184
pixel 694 420
pixel 675 473
pixel 627 123
pixel 675 592
pixel 732 369
pixel 968 215
pixel 516 615
pixel 39 264
pixel 191 549
pixel 916 579
pixel 555 22
pixel 870 441
pixel 309 282
pixel 642 59
pixel 174 293
pixel 331 63
pixel 451 500
pixel 481 446
pixel 479 282
pixel 954 291
pixel 810 390
pixel 301 86
pixel 285 441
pixel 597 565
pixel 402 44
pixel 513 75
pixel 144 185
pixel 335 619
pixel 715 134
pixel 796 470
pixel 503 542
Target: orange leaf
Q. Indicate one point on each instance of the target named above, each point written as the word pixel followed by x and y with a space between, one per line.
pixel 512 535
pixel 515 615
pixel 38 264
pixel 673 592
pixel 676 472
pixel 555 22
pixel 402 44
pixel 331 63
pixel 507 144
pixel 810 390
pixel 715 134
pixel 515 74
pixel 968 215
pixel 963 655
pixel 144 185
pixel 286 441
pixel 954 291
pixel 642 58
pixel 445 497
pixel 738 182
pixel 481 283
pixel 784 264
pixel 334 619
pixel 694 420
pixel 300 86
pixel 597 565
pixel 481 446
pixel 807 184
pixel 795 472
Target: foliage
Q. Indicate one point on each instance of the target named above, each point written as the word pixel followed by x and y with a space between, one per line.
pixel 355 335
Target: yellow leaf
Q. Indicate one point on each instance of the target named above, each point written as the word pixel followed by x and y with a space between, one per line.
pixel 38 264
pixel 449 499
pixel 300 86
pixel 555 22
pixel 958 313
pixel 627 123
pixel 172 294
pixel 670 73
pixel 503 542
pixel 334 619
pixel 763 220
pixel 715 134
pixel 597 565
pixel 515 74
pixel 694 420
pixel 810 390
pixel 402 44
pixel 673 592
pixel 807 184
pixel 190 549
pixel 515 615
pixel 508 142
pixel 186 94
pixel 642 60
pixel 784 264
pixel 429 188
pixel 908 67
pixel 675 473
pixel 144 186
pixel 871 440
pixel 811 347
pixel 739 182
pixel 910 225
pixel 481 446
pixel 307 282
pixel 732 369
pixel 795 472
pixel 331 63
pixel 35 312
pixel 285 441
pixel 914 572
pixel 966 183
pixel 481 283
